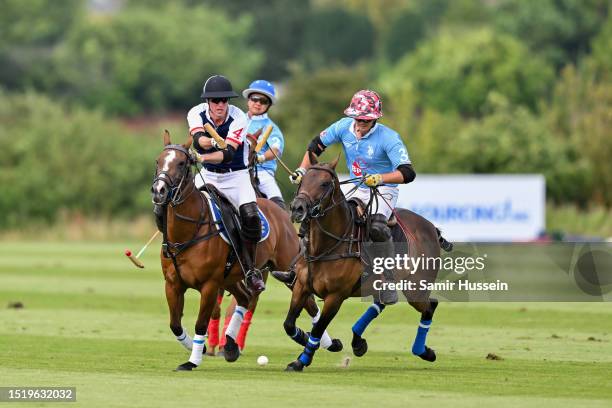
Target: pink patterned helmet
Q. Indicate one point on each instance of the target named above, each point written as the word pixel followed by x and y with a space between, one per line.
pixel 365 105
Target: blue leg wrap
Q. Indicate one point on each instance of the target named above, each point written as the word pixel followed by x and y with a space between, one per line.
pixel 373 311
pixel 308 353
pixel 418 347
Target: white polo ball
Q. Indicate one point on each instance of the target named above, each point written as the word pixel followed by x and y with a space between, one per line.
pixel 262 360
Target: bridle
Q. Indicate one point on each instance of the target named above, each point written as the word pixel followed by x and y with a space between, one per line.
pixel 176 196
pixel 315 207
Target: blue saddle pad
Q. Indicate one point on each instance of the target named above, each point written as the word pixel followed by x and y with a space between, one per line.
pixel 216 214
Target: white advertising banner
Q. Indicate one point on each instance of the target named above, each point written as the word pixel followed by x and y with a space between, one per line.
pixel 479 207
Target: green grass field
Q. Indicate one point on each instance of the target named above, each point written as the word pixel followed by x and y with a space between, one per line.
pixel 93 321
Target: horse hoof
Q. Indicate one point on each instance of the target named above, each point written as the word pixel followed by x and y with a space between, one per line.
pixel 188 366
pixel 296 366
pixel 231 350
pixel 360 345
pixel 336 346
pixel 428 355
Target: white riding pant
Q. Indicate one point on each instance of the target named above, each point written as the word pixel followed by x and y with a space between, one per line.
pixel 236 185
pixel 379 206
pixel 267 184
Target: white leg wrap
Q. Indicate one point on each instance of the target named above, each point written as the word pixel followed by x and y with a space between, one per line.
pixel 326 341
pixel 197 349
pixel 234 324
pixel 185 340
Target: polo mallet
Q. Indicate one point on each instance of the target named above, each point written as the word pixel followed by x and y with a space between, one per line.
pixel 135 259
pixel 264 139
pixel 211 131
pixel 281 162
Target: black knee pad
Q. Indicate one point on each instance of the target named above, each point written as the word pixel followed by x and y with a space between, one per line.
pixel 380 232
pixel 251 224
pixel 280 202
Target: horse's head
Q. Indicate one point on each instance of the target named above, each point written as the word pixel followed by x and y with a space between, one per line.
pixel 173 171
pixel 316 190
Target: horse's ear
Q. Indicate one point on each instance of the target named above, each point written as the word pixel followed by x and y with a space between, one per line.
pixel 166 137
pixel 334 163
pixel 188 142
pixel 313 158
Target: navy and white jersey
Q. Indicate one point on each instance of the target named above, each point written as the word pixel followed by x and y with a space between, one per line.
pixel 381 150
pixel 233 129
pixel 275 140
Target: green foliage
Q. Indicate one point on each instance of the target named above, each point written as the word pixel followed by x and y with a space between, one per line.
pixel 558 30
pixel 455 71
pixel 411 25
pixel 510 139
pixel 53 159
pixel 36 22
pixel 581 115
pixel 468 13
pixel 136 61
pixel 277 28
pixel 336 36
pixel 28 32
pixel 602 51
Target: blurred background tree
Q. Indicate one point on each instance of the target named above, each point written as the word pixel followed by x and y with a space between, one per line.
pixel 29 32
pixel 137 61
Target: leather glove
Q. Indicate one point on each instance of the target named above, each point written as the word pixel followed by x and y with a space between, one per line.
pixel 261 158
pixel 373 180
pixel 296 177
pixel 214 143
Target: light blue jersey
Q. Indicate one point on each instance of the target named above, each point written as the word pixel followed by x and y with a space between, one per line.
pixel 380 151
pixel 275 140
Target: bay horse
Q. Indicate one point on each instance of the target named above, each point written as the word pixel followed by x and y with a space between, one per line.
pixel 334 273
pixel 195 256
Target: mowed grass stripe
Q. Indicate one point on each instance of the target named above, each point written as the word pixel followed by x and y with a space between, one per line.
pixel 378 371
pixel 96 293
pixel 510 343
pixel 179 389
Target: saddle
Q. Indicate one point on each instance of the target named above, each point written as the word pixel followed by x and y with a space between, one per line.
pixel 227 218
pixel 360 215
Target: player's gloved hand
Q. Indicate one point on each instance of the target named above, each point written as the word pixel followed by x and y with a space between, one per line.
pixel 373 180
pixel 296 177
pixel 214 144
pixel 261 158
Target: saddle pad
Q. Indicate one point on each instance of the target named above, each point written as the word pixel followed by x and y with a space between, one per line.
pixel 216 214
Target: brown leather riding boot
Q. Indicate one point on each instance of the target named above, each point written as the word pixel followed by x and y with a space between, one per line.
pixel 253 277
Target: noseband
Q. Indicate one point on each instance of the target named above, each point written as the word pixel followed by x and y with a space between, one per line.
pixel 314 208
pixel 174 196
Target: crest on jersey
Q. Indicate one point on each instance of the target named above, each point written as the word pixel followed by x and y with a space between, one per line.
pixel 370 151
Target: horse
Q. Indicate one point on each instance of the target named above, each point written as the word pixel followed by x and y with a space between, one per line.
pixel 194 255
pixel 333 272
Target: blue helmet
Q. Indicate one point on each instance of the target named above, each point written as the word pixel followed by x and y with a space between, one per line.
pixel 263 87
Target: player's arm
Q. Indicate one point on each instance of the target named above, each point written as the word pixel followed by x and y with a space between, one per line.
pixel 404 172
pixel 201 140
pixel 275 144
pixel 315 148
pixel 221 156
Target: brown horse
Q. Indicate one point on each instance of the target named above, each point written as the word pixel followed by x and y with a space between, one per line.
pixel 332 268
pixel 194 255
